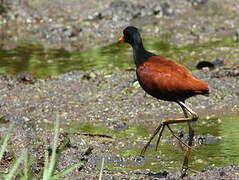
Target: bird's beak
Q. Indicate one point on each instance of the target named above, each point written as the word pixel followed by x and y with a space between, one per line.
pixel 121 40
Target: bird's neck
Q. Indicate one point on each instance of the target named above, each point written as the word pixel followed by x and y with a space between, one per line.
pixel 140 54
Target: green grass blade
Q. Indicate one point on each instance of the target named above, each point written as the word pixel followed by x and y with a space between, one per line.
pixel 66 171
pixel 26 164
pixel 61 148
pixel 101 168
pixel 53 156
pixel 45 171
pixel 14 168
pixel 5 139
pixel 27 168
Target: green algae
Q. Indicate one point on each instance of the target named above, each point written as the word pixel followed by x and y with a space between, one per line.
pixel 87 127
pixel 133 132
pixel 169 157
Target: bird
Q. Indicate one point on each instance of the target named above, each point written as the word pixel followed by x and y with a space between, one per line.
pixel 167 80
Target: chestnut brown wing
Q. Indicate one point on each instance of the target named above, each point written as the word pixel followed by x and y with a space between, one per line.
pixel 168 80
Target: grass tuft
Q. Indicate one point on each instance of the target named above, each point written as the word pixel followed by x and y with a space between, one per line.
pixel 49 166
pixel 4 140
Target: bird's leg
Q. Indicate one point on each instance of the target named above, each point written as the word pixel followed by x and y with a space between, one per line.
pixel 191 131
pixel 186 118
pixel 174 121
pixel 191 134
pixel 186 157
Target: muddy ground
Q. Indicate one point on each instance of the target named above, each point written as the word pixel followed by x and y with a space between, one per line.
pixel 93 109
pixel 108 100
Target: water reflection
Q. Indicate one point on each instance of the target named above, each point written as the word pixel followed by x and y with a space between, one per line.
pixel 42 63
pixel 35 59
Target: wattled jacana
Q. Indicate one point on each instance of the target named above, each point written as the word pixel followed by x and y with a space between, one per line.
pixel 167 80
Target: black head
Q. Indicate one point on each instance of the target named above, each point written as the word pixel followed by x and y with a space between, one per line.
pixel 131 36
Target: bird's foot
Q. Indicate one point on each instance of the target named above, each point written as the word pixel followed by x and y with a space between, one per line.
pixel 184 172
pixel 160 127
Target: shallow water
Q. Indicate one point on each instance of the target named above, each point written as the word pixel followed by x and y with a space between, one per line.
pixel 35 59
pixel 169 157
